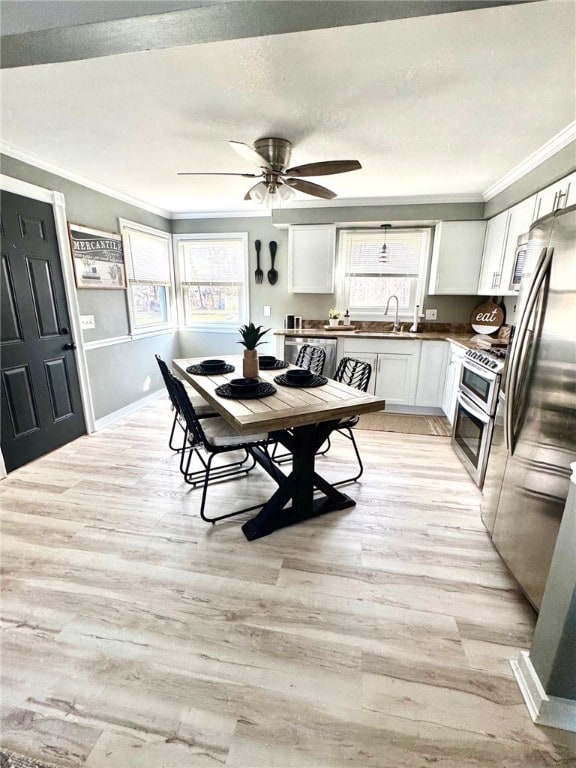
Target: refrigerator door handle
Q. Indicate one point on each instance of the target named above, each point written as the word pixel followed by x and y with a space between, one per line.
pixel 518 344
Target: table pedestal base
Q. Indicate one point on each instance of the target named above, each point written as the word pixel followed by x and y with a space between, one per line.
pixel 299 486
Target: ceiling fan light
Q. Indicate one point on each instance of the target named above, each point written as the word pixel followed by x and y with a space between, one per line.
pixel 259 192
pixel 285 193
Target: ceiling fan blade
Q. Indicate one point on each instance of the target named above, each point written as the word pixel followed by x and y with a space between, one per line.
pixel 309 188
pixel 206 173
pixel 250 154
pixel 325 168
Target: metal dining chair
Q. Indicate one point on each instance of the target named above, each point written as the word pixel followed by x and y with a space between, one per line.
pixel 202 408
pixel 312 359
pixel 354 373
pixel 209 438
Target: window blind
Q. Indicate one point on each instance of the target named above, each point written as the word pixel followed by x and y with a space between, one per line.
pixel 404 249
pixel 212 261
pixel 147 258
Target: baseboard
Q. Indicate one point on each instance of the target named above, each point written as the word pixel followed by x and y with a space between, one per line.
pixel 105 421
pixel 552 711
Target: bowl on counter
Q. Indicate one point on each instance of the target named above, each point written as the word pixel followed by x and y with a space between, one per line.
pixel 244 386
pixel 266 359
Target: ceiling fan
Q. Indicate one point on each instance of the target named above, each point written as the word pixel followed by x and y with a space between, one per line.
pixel 272 155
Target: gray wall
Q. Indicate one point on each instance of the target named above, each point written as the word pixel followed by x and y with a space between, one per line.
pixel 451 309
pixel 275 296
pixel 117 374
pixel 133 361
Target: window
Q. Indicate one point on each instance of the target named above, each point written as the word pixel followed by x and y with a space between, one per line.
pixel 371 273
pixel 213 272
pixel 148 256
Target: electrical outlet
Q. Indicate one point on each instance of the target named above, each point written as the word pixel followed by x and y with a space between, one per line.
pixel 87 322
pixel 431 314
pixel 266 310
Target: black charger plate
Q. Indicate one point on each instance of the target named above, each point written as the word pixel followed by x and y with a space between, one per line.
pixel 264 389
pixel 197 370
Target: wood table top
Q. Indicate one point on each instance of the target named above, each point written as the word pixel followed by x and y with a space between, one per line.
pixel 289 407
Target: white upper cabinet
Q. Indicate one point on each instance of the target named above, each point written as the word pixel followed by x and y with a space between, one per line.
pixel 559 195
pixel 456 257
pixel 311 258
pixel 500 246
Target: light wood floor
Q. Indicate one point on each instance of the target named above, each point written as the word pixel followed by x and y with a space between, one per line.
pixel 136 636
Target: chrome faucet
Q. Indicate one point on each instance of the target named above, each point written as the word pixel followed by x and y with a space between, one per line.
pixel 396 326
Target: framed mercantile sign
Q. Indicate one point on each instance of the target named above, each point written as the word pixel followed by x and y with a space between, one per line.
pixel 98 258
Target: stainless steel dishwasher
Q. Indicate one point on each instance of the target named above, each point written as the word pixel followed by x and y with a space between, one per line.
pixel 293 344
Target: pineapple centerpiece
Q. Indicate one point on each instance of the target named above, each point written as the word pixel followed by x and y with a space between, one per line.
pixel 251 338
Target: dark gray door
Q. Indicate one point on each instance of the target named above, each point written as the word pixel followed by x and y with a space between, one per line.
pixel 41 407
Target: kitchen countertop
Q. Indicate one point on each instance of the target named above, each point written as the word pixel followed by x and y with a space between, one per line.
pixel 464 340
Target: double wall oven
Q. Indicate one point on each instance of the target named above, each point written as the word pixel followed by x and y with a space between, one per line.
pixel 476 408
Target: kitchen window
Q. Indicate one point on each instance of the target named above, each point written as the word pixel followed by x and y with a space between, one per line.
pixel 213 279
pixel 148 258
pixel 377 263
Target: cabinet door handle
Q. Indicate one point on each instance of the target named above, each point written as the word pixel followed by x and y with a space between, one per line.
pixel 555 201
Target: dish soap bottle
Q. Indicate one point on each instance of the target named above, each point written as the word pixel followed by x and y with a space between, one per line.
pixel 347 317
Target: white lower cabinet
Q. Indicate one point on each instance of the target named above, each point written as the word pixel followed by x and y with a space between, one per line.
pixel 408 373
pixel 431 374
pixel 452 381
pixel 394 366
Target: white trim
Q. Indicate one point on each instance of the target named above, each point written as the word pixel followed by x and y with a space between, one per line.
pixel 257 213
pixel 110 342
pixel 552 711
pixel 113 340
pixel 56 199
pixel 105 421
pixel 546 151
pixel 31 159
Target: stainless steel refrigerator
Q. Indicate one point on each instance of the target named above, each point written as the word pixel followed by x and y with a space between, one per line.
pixel 534 437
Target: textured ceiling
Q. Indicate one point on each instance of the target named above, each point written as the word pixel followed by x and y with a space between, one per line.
pixel 436 105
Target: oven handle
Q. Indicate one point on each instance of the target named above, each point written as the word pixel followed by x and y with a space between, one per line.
pixel 471 408
pixel 518 343
pixel 485 373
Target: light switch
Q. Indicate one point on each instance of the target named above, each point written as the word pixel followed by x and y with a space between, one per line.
pixel 266 310
pixel 87 322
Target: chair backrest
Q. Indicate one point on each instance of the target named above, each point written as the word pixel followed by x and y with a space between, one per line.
pixel 167 376
pixel 195 433
pixel 311 358
pixel 355 373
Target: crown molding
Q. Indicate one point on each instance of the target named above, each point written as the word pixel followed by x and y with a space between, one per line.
pixel 546 151
pixel 38 162
pixel 257 213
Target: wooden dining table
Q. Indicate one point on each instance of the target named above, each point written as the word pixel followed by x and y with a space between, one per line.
pixel 300 418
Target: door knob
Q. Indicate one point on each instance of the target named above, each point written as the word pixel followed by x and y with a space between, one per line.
pixel 69 345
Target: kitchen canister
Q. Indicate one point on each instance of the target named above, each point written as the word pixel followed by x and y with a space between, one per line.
pixel 289 322
pixel 297 323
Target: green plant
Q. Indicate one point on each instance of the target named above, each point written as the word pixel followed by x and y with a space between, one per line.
pixel 333 314
pixel 251 335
